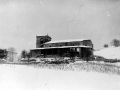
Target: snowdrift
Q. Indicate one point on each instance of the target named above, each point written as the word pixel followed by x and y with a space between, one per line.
pixel 109 53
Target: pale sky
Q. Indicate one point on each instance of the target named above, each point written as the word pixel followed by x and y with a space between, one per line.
pixel 22 20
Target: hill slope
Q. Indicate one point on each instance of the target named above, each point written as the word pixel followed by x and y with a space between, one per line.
pixel 109 53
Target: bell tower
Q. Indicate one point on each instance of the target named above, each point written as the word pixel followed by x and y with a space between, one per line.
pixel 40 40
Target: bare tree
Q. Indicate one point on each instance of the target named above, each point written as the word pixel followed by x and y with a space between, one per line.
pixel 11 53
pixel 25 54
pixel 105 45
pixel 115 42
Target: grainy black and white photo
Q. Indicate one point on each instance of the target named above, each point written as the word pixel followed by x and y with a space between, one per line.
pixel 59 44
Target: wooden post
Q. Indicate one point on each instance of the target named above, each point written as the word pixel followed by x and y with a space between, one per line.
pixel 79 52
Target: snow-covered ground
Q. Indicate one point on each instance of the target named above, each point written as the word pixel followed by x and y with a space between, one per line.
pixel 109 53
pixel 21 77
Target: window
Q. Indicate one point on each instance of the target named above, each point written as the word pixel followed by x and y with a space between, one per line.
pixel 66 44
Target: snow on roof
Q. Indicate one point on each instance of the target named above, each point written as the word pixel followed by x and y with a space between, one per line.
pixel 71 40
pixel 60 47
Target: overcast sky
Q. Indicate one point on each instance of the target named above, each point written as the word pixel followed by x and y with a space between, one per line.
pixel 22 20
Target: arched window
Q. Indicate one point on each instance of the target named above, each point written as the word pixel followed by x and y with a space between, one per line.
pixel 41 40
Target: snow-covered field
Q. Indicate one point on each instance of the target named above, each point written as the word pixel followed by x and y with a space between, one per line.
pixel 21 77
pixel 109 53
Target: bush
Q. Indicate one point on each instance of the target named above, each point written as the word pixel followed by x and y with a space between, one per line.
pixel 115 42
pixel 105 45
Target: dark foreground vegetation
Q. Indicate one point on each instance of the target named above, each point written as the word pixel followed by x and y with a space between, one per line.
pixel 96 64
pixel 107 68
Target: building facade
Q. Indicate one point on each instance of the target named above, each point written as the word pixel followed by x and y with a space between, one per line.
pixel 62 48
